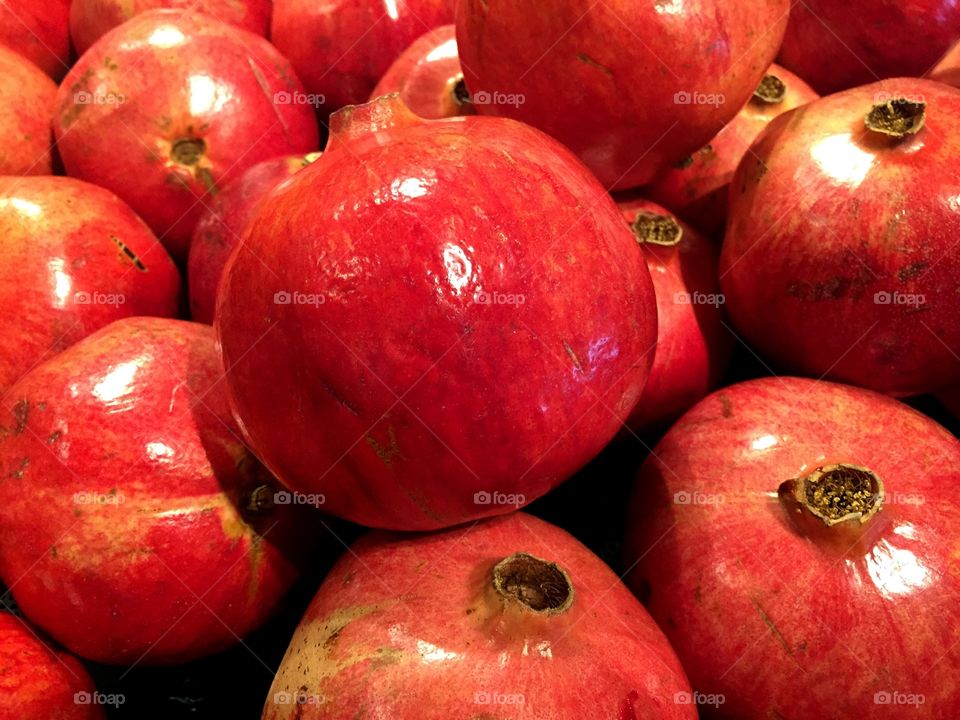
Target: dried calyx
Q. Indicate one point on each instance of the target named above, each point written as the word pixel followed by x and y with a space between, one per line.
pixel 834 496
pixel 461 96
pixel 537 585
pixel 897 118
pixel 259 500
pixel 771 90
pixel 656 229
pixel 188 151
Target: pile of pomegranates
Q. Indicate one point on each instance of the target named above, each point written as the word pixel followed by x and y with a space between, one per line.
pixel 480 360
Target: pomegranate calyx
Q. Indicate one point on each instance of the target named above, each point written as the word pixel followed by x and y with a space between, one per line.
pixel 354 121
pixel 897 118
pixel 656 229
pixel 537 585
pixel 188 150
pixel 836 494
pixel 770 91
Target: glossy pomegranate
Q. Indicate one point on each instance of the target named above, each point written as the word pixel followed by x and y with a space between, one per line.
pixel 169 107
pixel 137 528
pixel 840 257
pixel 511 618
pixel 76 258
pixel 27 98
pixel 632 87
pixel 89 19
pixel 693 346
pixel 40 31
pixel 222 224
pixel 439 348
pixel 428 77
pixel 948 69
pixel 697 188
pixel 341 48
pixel 835 46
pixel 797 541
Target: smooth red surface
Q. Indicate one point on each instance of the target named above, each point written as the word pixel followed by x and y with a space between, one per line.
pixel 341 48
pixel 411 627
pixel 38 683
pixel 27 98
pixel 697 189
pixel 121 487
pixel 948 69
pixel 824 215
pixel 89 19
pixel 168 76
pixel 75 259
pixel 693 347
pixel 403 380
pixel 39 30
pixel 221 226
pixel 426 75
pixel 605 78
pixel 839 45
pixel 784 623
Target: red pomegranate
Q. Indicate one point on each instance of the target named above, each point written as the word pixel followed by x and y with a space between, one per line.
pixel 438 349
pixel 840 256
pixel 693 346
pixel 76 258
pixel 169 107
pixel 797 542
pixel 948 69
pixel 221 225
pixel 40 31
pixel 697 188
pixel 27 98
pixel 341 48
pixel 632 87
pixel 89 19
pixel 839 45
pixel 149 533
pixel 428 77
pixel 509 618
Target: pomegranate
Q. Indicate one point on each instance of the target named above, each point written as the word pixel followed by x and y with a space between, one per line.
pixel 137 528
pixel 835 46
pixel 802 563
pixel 948 69
pixel 89 19
pixel 631 87
pixel 697 188
pixel 40 31
pixel 221 226
pixel 27 98
pixel 75 259
pixel 169 107
pixel 693 346
pixel 840 256
pixel 509 618
pixel 428 77
pixel 341 48
pixel 448 337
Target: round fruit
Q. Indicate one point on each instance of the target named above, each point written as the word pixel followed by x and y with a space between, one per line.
pixel 840 257
pixel 27 99
pixel 424 299
pixel 797 542
pixel 512 616
pixel 948 69
pixel 40 31
pixel 136 527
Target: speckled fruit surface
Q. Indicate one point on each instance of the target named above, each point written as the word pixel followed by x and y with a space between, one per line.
pixel 40 31
pixel 27 98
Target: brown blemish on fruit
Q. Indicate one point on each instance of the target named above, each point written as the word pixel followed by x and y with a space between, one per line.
pixel 127 253
pixel 726 406
pixel 54 437
pixel 897 118
pixel 587 60
pixel 912 271
pixel 18 473
pixel 21 412
pixel 772 90
pixel 772 626
pixel 538 585
pixel 386 454
pixel 685 163
pixel 573 357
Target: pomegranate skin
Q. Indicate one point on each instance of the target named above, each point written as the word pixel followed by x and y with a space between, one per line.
pixel 948 69
pixel 428 77
pixel 776 616
pixel 76 258
pixel 839 258
pixel 223 222
pixel 693 346
pixel 169 107
pixel 698 188
pixel 40 31
pixel 341 48
pixel 631 87
pixel 432 350
pixel 137 542
pixel 90 19
pixel 835 46
pixel 27 98
pixel 457 647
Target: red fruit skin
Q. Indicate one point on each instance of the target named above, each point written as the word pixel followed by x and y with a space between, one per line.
pixel 341 48
pixel 693 346
pixel 401 386
pixel 698 189
pixel 39 31
pixel 824 215
pixel 835 46
pixel 605 78
pixel 168 76
pixel 222 224
pixel 426 75
pixel 27 98
pixel 90 19
pixel 76 258
pixel 171 569
pixel 948 69
pixel 38 683
pixel 367 642
pixel 771 618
